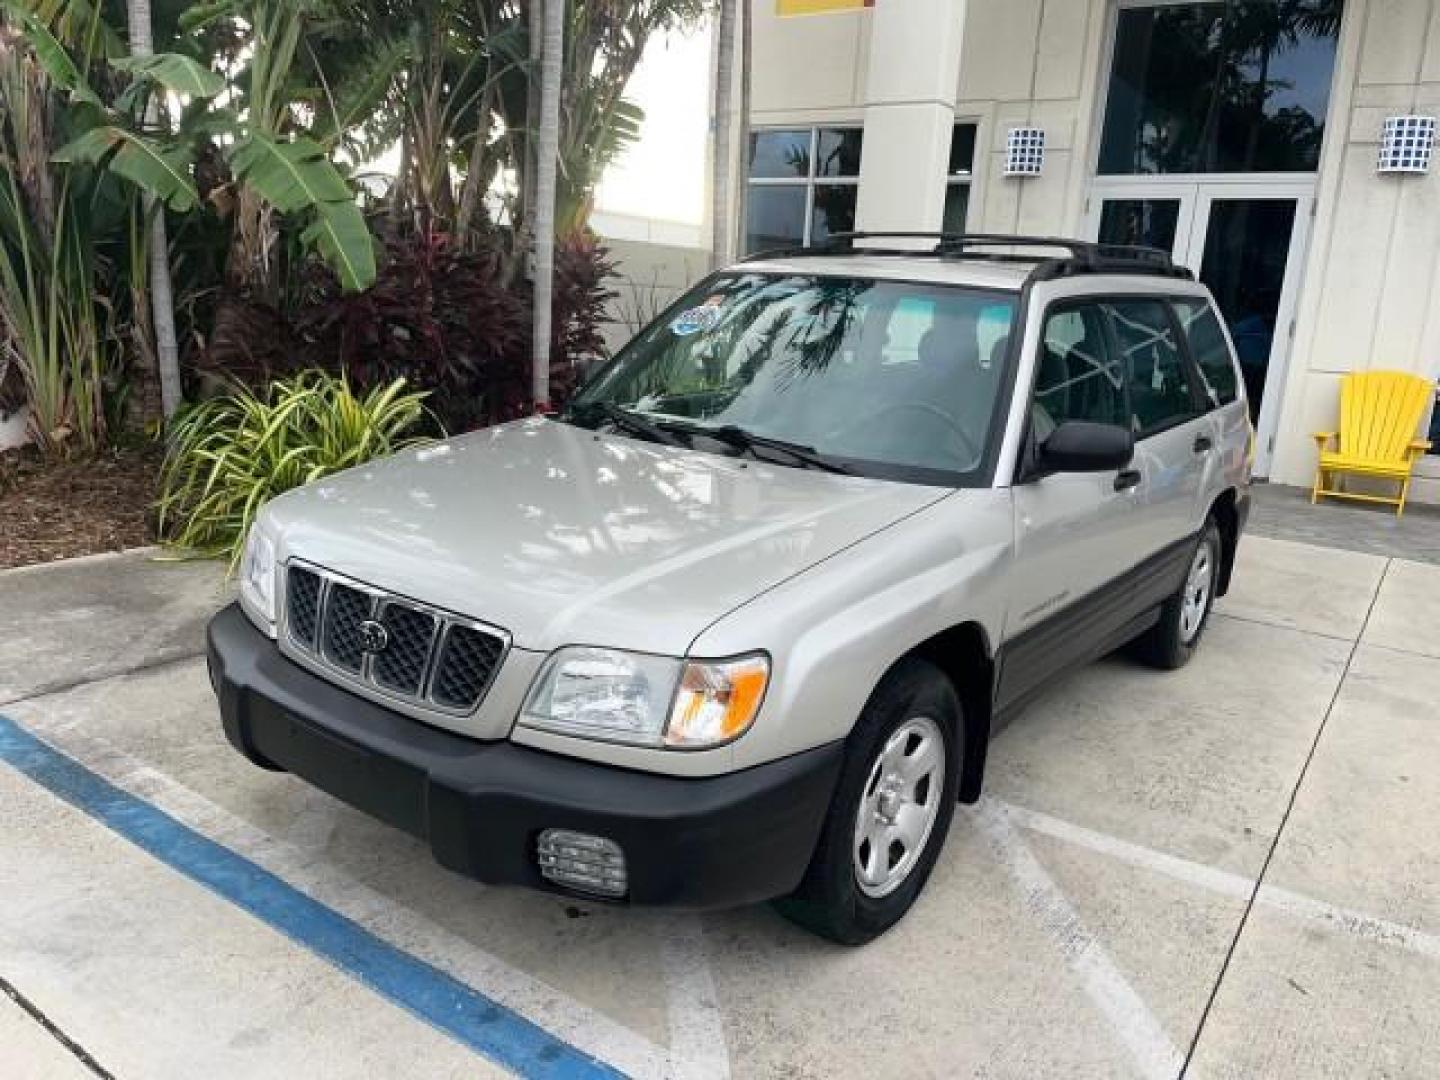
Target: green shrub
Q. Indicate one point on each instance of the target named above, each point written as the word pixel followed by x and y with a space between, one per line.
pixel 228 456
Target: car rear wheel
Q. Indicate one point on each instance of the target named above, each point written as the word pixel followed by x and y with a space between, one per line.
pixel 890 812
pixel 1171 642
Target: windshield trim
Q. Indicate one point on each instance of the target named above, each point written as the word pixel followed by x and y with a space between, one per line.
pixel 982 476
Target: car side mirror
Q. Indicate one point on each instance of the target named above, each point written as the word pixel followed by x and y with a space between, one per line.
pixel 1078 446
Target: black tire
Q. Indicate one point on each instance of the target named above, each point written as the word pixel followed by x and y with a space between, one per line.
pixel 830 900
pixel 1167 645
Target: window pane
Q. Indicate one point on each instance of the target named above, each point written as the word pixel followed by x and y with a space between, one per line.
pixel 839 152
pixel 834 211
pixel 1146 222
pixel 886 372
pixel 957 207
pixel 1208 347
pixel 1159 382
pixel 780 154
pixel 962 150
pixel 1247 247
pixel 1079 379
pixel 774 217
pixel 1241 86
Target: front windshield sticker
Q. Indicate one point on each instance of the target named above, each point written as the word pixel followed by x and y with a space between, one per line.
pixel 698 319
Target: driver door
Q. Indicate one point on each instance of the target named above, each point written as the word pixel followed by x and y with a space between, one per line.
pixel 1073 531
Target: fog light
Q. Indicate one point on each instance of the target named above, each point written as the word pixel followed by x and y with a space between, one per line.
pixel 580 861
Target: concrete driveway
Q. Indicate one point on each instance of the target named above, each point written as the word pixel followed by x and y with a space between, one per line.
pixel 1230 871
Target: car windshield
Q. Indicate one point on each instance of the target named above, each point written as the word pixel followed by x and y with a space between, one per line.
pixel 889 378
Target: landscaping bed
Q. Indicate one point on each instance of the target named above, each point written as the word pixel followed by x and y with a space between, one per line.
pixel 58 510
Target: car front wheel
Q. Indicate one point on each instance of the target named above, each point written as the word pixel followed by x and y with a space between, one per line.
pixel 890 812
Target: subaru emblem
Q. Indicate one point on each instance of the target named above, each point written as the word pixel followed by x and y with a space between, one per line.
pixel 373 636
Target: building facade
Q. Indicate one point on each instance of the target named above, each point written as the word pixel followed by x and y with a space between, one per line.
pixel 1244 136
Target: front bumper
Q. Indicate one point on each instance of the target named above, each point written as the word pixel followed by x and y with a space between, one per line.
pixel 690 842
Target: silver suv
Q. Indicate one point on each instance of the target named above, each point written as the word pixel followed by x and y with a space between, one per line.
pixel 740 623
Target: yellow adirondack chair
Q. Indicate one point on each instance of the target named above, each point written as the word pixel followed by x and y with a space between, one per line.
pixel 1379 414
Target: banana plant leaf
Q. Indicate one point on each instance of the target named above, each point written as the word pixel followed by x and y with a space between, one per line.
pixel 296 176
pixel 163 171
pixel 177 73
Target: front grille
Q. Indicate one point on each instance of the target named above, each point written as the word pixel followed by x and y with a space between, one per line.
pixel 345 610
pixel 302 605
pixel 466 660
pixel 395 645
pixel 402 665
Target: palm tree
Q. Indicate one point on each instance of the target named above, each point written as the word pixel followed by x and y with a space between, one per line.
pixel 723 113
pixel 162 294
pixel 552 59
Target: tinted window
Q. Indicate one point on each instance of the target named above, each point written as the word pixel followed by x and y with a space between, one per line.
pixel 774 217
pixel 1079 377
pixel 839 152
pixel 1160 393
pixel 1209 349
pixel 1241 86
pixel 888 373
pixel 780 154
pixel 834 211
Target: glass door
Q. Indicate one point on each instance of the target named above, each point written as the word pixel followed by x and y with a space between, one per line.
pixel 1246 241
pixel 1144 214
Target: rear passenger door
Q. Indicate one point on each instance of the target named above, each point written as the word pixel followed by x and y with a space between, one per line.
pixel 1224 392
pixel 1174 438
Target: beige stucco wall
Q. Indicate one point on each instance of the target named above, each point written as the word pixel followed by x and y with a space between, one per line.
pixel 1031 63
pixel 1371 297
pixel 809 67
pixel 649 278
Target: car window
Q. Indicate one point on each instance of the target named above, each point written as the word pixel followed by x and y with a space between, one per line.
pixel 883 375
pixel 1079 377
pixel 1209 349
pixel 1160 390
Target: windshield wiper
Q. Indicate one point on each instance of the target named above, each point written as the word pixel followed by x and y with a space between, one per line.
pixel 632 422
pixel 742 439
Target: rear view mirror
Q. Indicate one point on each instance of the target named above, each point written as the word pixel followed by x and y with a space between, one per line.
pixel 1078 446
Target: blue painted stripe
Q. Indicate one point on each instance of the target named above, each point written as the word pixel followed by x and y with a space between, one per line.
pixel 460 1011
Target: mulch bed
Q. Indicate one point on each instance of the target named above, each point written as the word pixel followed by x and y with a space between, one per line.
pixel 67 508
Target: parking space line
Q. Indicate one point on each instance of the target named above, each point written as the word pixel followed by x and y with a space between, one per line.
pixel 471 1018
pixel 1154 1053
pixel 697 1032
pixel 1236 886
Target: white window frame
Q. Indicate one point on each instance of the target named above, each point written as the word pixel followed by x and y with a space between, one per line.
pixel 809 183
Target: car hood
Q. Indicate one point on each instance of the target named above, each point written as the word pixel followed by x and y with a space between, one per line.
pixel 564 536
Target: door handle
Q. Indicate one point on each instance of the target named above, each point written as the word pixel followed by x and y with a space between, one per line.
pixel 1127 479
pixel 1203 443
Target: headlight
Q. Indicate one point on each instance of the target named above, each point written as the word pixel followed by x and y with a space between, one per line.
pixel 646 700
pixel 257 575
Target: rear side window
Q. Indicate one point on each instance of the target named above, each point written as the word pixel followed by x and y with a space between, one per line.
pixel 1209 349
pixel 1079 378
pixel 1160 391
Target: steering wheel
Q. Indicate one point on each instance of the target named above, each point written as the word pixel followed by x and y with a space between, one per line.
pixel 873 422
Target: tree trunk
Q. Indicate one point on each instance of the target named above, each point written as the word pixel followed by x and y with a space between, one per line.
pixel 723 116
pixel 530 173
pixel 742 201
pixel 162 297
pixel 551 61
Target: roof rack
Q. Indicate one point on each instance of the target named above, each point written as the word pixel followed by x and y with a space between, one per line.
pixel 1081 256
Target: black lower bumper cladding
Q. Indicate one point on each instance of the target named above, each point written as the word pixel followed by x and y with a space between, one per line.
pixel 699 843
